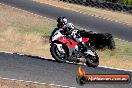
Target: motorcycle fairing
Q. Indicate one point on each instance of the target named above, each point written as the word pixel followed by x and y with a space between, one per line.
pixel 85 40
pixel 69 42
pixel 90 52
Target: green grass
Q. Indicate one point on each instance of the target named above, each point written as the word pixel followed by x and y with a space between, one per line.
pixel 126 2
pixel 41 30
pixel 123 48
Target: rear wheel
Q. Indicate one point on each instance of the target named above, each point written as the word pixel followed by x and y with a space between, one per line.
pixel 58 53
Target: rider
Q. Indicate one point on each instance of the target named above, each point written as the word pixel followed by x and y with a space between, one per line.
pixel 70 30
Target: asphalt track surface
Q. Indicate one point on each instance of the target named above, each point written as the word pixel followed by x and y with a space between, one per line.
pixel 89 22
pixel 37 69
pixel 41 70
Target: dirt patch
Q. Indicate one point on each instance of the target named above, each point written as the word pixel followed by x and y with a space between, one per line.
pixel 17 84
pixel 105 14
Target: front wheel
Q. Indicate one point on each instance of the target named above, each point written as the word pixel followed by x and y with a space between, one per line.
pixel 92 60
pixel 58 53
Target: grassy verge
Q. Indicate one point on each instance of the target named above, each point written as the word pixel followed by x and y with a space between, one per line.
pixel 23 32
pixel 120 57
pixel 126 2
pixel 26 33
pixel 17 84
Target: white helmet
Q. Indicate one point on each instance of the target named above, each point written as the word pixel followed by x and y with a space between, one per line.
pixel 65 20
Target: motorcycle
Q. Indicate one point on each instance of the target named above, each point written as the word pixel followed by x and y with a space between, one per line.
pixel 64 48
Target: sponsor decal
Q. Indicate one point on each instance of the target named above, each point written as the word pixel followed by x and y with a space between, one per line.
pixel 83 78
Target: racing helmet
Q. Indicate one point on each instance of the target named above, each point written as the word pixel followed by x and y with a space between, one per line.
pixel 62 20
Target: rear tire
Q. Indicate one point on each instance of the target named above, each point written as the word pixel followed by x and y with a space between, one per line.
pixel 56 56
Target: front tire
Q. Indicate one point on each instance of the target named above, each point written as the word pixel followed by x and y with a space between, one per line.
pixel 92 61
pixel 55 54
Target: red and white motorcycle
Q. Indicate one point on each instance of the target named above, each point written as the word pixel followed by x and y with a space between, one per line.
pixel 64 48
